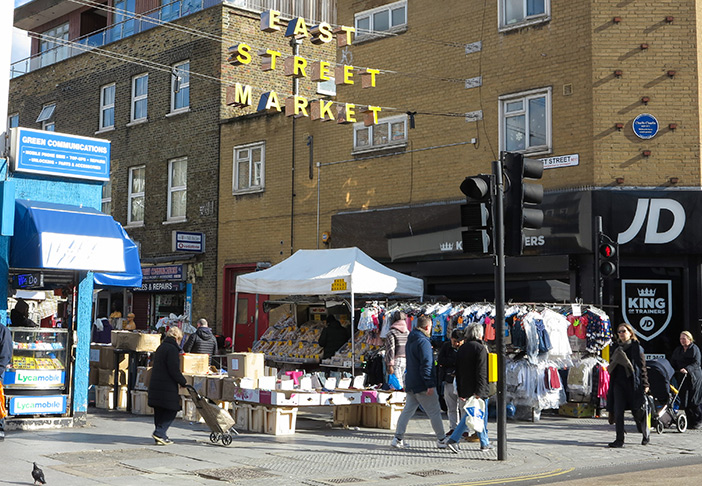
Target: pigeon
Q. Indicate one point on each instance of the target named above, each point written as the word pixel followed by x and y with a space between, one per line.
pixel 38 475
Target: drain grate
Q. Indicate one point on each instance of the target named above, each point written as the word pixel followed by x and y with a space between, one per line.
pixel 234 473
pixel 344 480
pixel 430 472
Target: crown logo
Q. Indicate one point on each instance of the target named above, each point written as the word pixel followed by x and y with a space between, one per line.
pixel 446 246
pixel 647 292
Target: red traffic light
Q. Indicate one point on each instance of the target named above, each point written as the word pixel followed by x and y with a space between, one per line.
pixel 607 250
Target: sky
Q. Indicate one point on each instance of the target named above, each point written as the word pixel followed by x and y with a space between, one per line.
pixel 20 39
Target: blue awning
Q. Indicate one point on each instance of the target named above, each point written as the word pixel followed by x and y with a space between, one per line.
pixel 132 276
pixel 61 236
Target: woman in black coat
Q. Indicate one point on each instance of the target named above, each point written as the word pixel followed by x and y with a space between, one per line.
pixel 628 384
pixel 686 361
pixel 163 387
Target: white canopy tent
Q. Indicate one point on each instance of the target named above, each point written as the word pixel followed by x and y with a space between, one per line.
pixel 340 271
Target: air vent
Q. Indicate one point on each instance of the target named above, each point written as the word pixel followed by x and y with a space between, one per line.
pixel 567 89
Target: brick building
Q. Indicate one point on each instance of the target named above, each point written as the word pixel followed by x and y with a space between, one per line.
pixel 606 93
pixel 150 76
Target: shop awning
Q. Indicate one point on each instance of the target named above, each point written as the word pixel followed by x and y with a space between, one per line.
pixel 60 236
pixel 131 277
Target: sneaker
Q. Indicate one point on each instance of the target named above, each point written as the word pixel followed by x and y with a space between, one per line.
pixel 645 441
pixel 397 443
pixel 488 447
pixel 453 447
pixel 441 443
pixel 617 444
pixel 161 440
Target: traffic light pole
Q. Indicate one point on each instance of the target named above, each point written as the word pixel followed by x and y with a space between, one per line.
pixel 499 248
pixel 596 252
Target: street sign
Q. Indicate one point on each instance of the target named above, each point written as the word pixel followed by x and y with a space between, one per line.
pixel 188 241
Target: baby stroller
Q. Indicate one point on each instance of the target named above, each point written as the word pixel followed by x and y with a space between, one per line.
pixel 666 412
pixel 220 422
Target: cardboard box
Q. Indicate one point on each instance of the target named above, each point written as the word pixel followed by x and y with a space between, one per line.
pixel 250 365
pixel 333 399
pixel 140 403
pixel 104 394
pixel 229 387
pixel 200 384
pixel 107 377
pixel 369 396
pixel 269 397
pixel 119 339
pixel 247 394
pixel 309 399
pixel 188 381
pixel 143 378
pixel 107 359
pixel 349 415
pixel 195 364
pixel 214 387
pixel 95 352
pixel 241 413
pixel 257 418
pixel 94 375
pixel 280 420
pixel 369 414
pixel 388 415
pixel 266 382
pixel 135 341
pixel 391 397
pixel 190 413
pixel 578 410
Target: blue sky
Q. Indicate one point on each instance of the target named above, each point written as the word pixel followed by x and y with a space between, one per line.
pixel 20 40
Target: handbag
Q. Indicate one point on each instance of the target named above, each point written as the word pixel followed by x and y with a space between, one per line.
pixel 475 414
pixel 394 382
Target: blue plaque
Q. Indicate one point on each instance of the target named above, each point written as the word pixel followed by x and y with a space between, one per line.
pixel 645 126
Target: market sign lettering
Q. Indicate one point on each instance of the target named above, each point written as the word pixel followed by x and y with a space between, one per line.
pixel 241 95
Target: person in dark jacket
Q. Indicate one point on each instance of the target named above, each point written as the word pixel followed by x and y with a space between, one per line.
pixel 202 341
pixel 19 316
pixel 628 384
pixel 686 361
pixel 5 361
pixel 471 381
pixel 163 388
pixel 333 337
pixel 419 384
pixel 447 373
pixel 395 341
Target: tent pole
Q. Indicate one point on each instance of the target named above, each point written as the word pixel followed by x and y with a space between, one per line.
pixel 236 309
pixel 353 339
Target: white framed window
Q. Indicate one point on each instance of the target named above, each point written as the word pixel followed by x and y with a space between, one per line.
pixel 388 132
pixel 180 87
pixel 327 88
pixel 249 168
pixel 387 18
pixel 137 183
pixel 106 206
pixel 107 106
pixel 46 117
pixel 525 121
pixel 13 120
pixel 51 49
pixel 177 188
pixel 140 96
pixel 518 13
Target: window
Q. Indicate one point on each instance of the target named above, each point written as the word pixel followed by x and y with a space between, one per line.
pixel 382 19
pixel 51 48
pixel 13 120
pixel 526 121
pixel 177 189
pixel 107 106
pixel 137 181
pixel 249 165
pixel 517 13
pixel 180 87
pixel 122 19
pixel 327 88
pixel 140 94
pixel 46 117
pixel 387 132
pixel 106 198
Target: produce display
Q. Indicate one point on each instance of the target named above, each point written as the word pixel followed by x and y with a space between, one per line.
pixel 286 342
pixel 365 344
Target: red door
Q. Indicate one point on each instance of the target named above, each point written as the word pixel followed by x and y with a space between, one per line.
pixel 247 330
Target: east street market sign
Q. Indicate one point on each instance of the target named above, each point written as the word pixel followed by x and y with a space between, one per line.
pixel 241 95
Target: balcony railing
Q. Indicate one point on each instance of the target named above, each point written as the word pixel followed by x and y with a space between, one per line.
pixel 312 10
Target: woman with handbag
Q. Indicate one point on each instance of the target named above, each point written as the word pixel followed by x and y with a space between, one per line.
pixel 395 341
pixel 628 385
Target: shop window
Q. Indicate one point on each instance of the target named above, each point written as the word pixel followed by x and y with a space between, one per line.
pixel 140 95
pixel 107 107
pixel 52 47
pixel 13 120
pixel 388 18
pixel 177 189
pixel 526 122
pixel 387 133
pixel 137 183
pixel 46 117
pixel 106 206
pixel 518 13
pixel 180 87
pixel 249 167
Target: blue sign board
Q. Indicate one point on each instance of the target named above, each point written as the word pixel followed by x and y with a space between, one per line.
pixel 34 405
pixel 162 272
pixel 645 126
pixel 59 154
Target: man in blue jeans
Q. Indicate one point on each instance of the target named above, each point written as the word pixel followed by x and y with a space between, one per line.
pixel 419 384
pixel 471 381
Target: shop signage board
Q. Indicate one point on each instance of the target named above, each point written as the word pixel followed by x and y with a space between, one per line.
pixel 162 272
pixel 161 287
pixel 30 405
pixel 59 154
pixel 188 241
pixel 35 378
pixel 645 126
pixel 29 281
pixel 647 305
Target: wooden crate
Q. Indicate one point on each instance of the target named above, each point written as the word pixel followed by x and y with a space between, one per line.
pixel 280 420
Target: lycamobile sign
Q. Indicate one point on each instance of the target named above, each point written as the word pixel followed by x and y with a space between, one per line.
pixel 37 405
pixel 35 377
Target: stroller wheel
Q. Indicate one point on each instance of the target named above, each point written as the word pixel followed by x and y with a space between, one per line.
pixel 659 427
pixel 226 439
pixel 681 423
pixel 214 437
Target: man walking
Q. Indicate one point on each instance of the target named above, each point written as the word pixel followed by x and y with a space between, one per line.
pixel 419 384
pixel 5 360
pixel 202 341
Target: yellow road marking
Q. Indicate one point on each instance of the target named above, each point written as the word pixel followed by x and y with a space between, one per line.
pixel 549 474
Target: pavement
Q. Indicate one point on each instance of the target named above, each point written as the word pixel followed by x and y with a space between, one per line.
pixel 117 448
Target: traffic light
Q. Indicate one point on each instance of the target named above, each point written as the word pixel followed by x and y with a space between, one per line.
pixel 521 200
pixel 475 215
pixel 608 257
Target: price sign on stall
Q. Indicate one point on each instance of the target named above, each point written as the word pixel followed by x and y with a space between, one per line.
pixel 29 281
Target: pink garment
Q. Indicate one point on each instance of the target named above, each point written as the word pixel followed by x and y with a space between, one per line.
pixel 400 325
pixel 604 383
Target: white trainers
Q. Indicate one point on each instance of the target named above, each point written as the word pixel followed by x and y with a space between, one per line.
pixel 397 443
pixel 441 443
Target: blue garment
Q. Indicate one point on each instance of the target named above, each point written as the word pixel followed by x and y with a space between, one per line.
pixel 420 363
pixel 463 427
